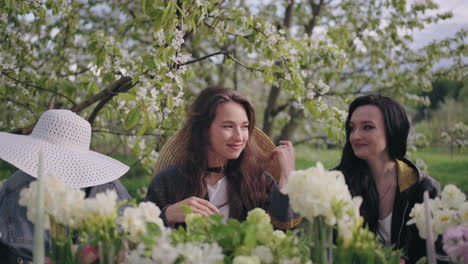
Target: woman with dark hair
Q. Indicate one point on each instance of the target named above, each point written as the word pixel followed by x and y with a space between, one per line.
pixel 224 169
pixel 375 168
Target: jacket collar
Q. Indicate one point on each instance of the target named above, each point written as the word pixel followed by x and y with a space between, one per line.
pixel 407 175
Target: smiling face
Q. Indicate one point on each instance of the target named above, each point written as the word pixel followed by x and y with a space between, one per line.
pixel 367 137
pixel 228 133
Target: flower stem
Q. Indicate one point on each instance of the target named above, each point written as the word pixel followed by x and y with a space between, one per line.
pixel 39 248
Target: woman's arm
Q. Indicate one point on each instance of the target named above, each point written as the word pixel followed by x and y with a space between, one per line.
pixel 278 207
pixel 162 193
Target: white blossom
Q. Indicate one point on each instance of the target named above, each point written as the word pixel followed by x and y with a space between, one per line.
pixel 316 192
pixel 246 260
pixel 263 253
pixel 194 253
pixel 160 37
pixel 134 220
pixel 452 197
pixel 448 210
pixel 178 39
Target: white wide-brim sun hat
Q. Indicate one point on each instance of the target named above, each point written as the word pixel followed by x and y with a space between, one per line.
pixel 64 138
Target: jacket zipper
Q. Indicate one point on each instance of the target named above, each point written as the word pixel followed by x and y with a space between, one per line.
pixel 402 224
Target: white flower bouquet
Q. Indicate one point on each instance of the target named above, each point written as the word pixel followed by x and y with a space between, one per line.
pixel 448 210
pixel 323 198
pixel 448 213
pixel 84 230
pixel 100 230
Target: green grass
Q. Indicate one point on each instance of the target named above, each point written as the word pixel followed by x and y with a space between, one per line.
pixel 441 166
pixel 445 168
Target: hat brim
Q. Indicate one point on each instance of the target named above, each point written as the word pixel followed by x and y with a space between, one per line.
pixel 77 168
pixel 174 151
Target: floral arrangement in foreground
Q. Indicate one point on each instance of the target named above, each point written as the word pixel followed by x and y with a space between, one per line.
pixel 323 199
pixel 449 218
pixel 101 230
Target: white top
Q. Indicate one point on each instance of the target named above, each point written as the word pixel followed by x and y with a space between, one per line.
pixel 217 194
pixel 384 231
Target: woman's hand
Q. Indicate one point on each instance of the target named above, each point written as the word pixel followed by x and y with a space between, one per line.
pixel 175 214
pixel 286 157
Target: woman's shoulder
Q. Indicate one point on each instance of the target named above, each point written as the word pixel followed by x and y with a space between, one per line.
pixel 168 174
pixel 169 171
pixel 413 177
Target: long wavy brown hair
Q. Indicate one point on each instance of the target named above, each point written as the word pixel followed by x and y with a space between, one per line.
pixel 246 187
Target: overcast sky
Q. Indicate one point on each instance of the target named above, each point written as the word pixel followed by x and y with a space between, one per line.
pixel 445 28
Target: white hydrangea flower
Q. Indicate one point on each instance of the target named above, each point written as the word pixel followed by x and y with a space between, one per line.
pixel 447 211
pixel 103 204
pixel 295 260
pixel 246 260
pixel 195 253
pixel 136 256
pixel 314 192
pixel 262 221
pixel 463 212
pixel 61 202
pixel 164 253
pixel 452 197
pixel 279 235
pixel 263 253
pixel 442 220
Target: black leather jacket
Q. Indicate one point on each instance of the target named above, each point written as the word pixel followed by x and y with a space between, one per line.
pixel 410 192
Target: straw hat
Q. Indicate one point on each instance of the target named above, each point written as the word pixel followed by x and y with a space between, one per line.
pixel 174 151
pixel 64 138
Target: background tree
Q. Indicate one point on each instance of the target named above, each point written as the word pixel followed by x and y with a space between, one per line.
pixel 130 67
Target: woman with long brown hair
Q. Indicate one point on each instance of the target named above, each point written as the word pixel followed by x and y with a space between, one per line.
pixel 224 169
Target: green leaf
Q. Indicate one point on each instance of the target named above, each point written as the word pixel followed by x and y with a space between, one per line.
pixel 127 96
pixel 143 6
pixel 9 4
pixel 42 12
pixel 170 101
pixel 151 121
pixel 143 127
pixel 250 239
pixel 132 119
pixel 153 229
pixel 186 209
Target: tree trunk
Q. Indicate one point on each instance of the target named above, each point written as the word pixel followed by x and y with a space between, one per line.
pixel 297 116
pixel 268 115
pixel 271 105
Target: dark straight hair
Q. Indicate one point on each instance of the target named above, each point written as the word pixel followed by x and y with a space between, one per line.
pixel 356 171
pixel 245 185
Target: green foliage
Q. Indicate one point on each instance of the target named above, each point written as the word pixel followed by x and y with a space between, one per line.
pixel 449 113
pixel 155 55
pixel 240 238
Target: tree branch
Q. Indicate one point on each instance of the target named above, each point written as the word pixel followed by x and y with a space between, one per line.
pixel 279 109
pixel 101 105
pixel 121 85
pixel 289 14
pixel 122 133
pixel 39 88
pixel 241 64
pixel 22 105
pixel 204 57
pixel 304 140
pixel 309 28
pixel 76 73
